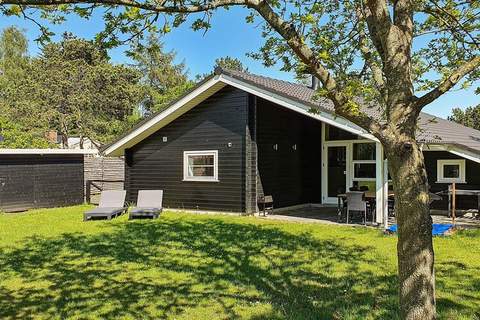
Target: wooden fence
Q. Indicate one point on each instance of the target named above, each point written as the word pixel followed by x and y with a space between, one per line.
pixel 105 172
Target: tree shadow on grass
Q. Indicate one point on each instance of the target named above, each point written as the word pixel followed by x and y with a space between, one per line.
pixel 173 268
pixel 455 276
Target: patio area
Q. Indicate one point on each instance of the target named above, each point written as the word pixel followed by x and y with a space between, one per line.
pixel 328 215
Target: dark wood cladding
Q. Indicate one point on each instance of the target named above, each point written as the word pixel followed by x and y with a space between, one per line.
pixel 472 177
pixel 212 125
pixel 40 181
pixel 291 176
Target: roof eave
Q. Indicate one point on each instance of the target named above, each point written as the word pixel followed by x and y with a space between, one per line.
pixel 186 102
pixel 457 149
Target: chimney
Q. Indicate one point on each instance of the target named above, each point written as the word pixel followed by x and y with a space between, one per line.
pixel 315 83
pixel 51 136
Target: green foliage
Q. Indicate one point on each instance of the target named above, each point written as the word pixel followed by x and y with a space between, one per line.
pixel 227 63
pixel 469 117
pixel 230 63
pixel 451 31
pixel 19 123
pixel 162 80
pixel 13 52
pixel 71 87
pixel 13 60
pixel 78 92
pixel 446 34
pixel 15 136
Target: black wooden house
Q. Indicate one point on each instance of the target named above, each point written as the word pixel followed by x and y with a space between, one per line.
pixel 237 136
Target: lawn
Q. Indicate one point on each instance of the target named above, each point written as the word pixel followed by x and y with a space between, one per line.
pixel 183 266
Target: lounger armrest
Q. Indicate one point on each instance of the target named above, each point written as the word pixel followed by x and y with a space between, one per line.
pixel 99 210
pixel 145 210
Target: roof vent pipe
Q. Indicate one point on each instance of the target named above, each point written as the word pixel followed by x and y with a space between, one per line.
pixel 315 83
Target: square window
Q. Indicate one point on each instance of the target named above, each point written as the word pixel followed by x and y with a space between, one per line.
pixel 364 151
pixel 364 171
pixel 364 166
pixel 451 170
pixel 201 160
pixel 200 165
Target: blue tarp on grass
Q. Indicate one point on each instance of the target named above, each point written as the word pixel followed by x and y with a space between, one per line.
pixel 437 230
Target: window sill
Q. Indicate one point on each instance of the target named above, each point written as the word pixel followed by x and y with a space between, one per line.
pixel 201 180
pixel 450 182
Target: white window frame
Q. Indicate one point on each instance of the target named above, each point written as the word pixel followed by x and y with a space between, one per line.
pixel 349 168
pixel 213 153
pixel 442 162
pixel 362 162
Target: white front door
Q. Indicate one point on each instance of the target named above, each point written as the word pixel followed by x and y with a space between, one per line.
pixel 336 170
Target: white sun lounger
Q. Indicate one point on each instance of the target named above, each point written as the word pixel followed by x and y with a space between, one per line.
pixel 149 204
pixel 112 204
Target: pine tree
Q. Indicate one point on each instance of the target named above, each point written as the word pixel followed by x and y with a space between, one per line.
pixel 163 79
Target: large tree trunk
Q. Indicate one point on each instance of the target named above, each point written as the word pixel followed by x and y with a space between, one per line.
pixel 415 247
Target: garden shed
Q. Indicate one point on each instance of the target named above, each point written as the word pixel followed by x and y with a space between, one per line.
pixel 39 178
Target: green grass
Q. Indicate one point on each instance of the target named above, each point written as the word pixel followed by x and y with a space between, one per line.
pixel 181 266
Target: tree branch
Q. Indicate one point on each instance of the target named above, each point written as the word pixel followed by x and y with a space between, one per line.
pixel 448 83
pixel 377 72
pixel 379 23
pixel 456 32
pixel 344 106
pixel 395 38
pixel 457 22
pixel 150 6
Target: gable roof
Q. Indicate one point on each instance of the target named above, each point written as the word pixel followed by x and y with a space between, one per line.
pixel 301 93
pixel 433 131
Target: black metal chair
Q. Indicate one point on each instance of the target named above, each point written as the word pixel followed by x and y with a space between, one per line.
pixel 391 206
pixel 267 204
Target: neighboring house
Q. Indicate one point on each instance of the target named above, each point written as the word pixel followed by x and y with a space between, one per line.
pixel 237 136
pixel 74 143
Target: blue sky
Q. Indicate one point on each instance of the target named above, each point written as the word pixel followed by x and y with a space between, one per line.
pixel 230 35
